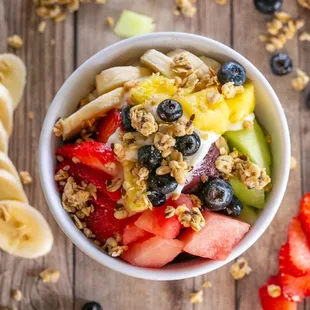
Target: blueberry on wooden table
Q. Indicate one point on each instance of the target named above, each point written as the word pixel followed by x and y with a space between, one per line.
pixel 92 305
pixel 169 110
pixel 231 71
pixel 281 64
pixel 188 145
pixel 268 6
pixel 216 194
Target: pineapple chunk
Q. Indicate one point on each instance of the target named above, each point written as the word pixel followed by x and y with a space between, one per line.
pixel 242 104
pixel 157 88
pixel 132 24
pixel 208 117
pixel 134 200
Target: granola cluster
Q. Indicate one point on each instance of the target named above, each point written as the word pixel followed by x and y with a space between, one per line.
pixel 300 82
pixel 281 29
pixel 229 90
pixel 239 165
pixel 113 247
pixel 304 3
pixel 188 218
pixel 240 269
pixel 185 7
pixel 56 10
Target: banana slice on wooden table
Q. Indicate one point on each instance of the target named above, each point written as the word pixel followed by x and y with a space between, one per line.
pixel 198 65
pixel 158 62
pixel 4 139
pixel 213 64
pixel 6 164
pixel 24 231
pixel 115 77
pixel 95 109
pixel 10 188
pixel 6 109
pixel 13 76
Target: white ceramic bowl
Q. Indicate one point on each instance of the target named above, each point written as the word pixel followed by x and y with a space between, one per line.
pixel 268 110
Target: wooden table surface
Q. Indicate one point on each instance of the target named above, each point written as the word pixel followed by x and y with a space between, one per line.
pixel 81 35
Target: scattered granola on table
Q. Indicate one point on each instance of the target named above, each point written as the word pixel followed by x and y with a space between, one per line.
pixel 185 7
pixel 240 269
pixel 50 275
pixel 25 177
pixel 17 295
pixel 300 82
pixel 293 163
pixel 15 41
pixel 196 297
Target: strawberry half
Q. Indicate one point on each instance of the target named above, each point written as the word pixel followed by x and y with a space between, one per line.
pixel 285 265
pixel 102 221
pixel 93 154
pixel 299 251
pixel 295 289
pixel 108 125
pixel 304 215
pixel 271 303
pixel 81 172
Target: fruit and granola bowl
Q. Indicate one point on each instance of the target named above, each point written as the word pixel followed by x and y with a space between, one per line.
pixel 169 163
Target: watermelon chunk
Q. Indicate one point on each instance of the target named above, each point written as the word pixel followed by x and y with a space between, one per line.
pixel 155 252
pixel 132 233
pixel 217 239
pixel 155 222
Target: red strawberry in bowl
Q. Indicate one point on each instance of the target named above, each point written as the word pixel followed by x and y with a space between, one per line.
pixel 93 154
pixel 108 125
pixel 81 172
pixel 102 221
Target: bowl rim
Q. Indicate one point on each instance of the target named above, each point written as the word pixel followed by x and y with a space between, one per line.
pixel 90 249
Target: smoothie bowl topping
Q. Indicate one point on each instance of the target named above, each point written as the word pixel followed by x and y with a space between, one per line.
pixel 165 160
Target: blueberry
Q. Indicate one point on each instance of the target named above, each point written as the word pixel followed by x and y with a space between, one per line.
pixel 169 110
pixel 268 6
pixel 281 64
pixel 188 145
pixel 234 208
pixel 157 199
pixel 163 184
pixel 149 156
pixel 231 72
pixel 216 194
pixel 92 305
pixel 126 121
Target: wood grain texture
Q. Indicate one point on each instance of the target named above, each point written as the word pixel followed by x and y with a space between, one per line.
pixel 78 38
pixel 47 68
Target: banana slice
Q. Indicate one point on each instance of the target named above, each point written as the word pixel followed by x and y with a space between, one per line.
pixel 210 62
pixel 158 62
pixel 198 65
pixel 6 164
pixel 90 112
pixel 24 231
pixel 6 109
pixel 10 188
pixel 115 77
pixel 4 139
pixel 13 76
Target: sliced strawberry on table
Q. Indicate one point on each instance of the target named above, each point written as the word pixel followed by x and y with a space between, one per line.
pixel 102 221
pixel 299 250
pixel 93 154
pixel 304 215
pixel 285 265
pixel 108 125
pixel 274 303
pixel 295 288
pixel 81 172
